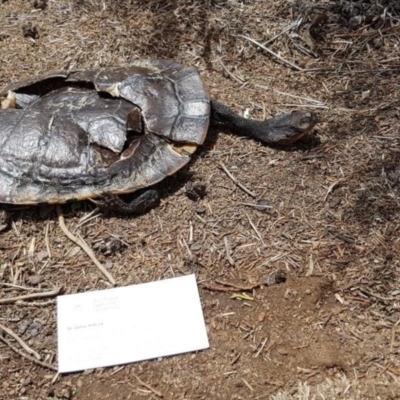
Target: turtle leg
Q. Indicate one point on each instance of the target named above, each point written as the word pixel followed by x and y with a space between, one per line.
pixel 4 220
pixel 139 205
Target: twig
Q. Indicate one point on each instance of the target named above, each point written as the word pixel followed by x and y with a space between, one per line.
pixel 228 251
pixel 256 230
pixel 19 287
pixel 308 99
pixel 82 244
pixel 86 218
pixel 236 182
pixel 41 363
pixel 117 370
pixel 248 385
pixel 260 207
pixel 20 341
pixel 302 105
pixel 376 295
pixel 261 347
pixel 46 240
pixel 52 293
pixel 37 303
pixel 387 137
pixel 184 244
pixel 271 52
pixel 294 24
pixel 241 81
pixel 147 386
pixel 311 156
pixel 330 189
pixel 229 287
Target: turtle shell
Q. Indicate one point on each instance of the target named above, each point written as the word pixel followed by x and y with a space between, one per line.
pixel 75 135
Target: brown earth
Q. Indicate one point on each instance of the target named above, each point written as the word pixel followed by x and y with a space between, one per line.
pixel 331 330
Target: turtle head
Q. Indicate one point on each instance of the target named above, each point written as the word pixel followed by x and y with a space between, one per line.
pixel 285 129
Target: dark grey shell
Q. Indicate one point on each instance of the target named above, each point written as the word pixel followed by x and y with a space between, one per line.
pixel 76 135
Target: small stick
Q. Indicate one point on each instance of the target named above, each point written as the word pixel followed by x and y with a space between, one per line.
pixel 261 348
pixel 230 73
pixel 120 240
pixel 41 363
pixel 236 182
pixel 295 24
pixel 46 240
pixel 256 230
pixel 228 251
pixel 302 105
pixel 88 217
pixel 311 156
pixel 248 385
pixel 187 248
pixel 147 386
pixel 240 287
pixel 82 244
pixel 330 189
pixel 117 370
pixel 259 206
pixel 52 293
pixel 20 341
pixel 12 285
pixel 190 232
pixel 271 52
pixel 308 99
pixel 229 287
pixel 377 296
pixel 37 303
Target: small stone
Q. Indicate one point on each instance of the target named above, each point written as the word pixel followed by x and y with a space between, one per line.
pixel 108 265
pixel 195 191
pixel 335 201
pixel 34 279
pixel 35 328
pixel 23 327
pixel 41 255
pixel 74 251
pixel 196 247
pixel 26 381
pixel 262 205
pixel 276 278
pixel 39 4
pixel 28 30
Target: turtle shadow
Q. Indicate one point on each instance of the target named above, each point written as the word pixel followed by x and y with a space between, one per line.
pixel 169 186
pixel 379 201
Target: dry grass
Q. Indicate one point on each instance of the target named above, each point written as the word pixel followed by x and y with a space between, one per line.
pixel 333 225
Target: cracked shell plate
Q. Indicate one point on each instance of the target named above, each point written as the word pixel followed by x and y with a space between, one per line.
pixel 75 135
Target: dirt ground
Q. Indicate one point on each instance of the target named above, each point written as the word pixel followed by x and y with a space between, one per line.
pixel 326 213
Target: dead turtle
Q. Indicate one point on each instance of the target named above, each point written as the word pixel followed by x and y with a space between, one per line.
pixel 75 135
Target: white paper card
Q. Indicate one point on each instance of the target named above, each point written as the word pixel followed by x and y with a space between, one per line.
pixel 131 323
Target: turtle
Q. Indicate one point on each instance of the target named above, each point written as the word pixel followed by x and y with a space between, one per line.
pixel 98 133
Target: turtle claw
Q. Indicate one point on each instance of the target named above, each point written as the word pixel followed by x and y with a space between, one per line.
pixel 139 205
